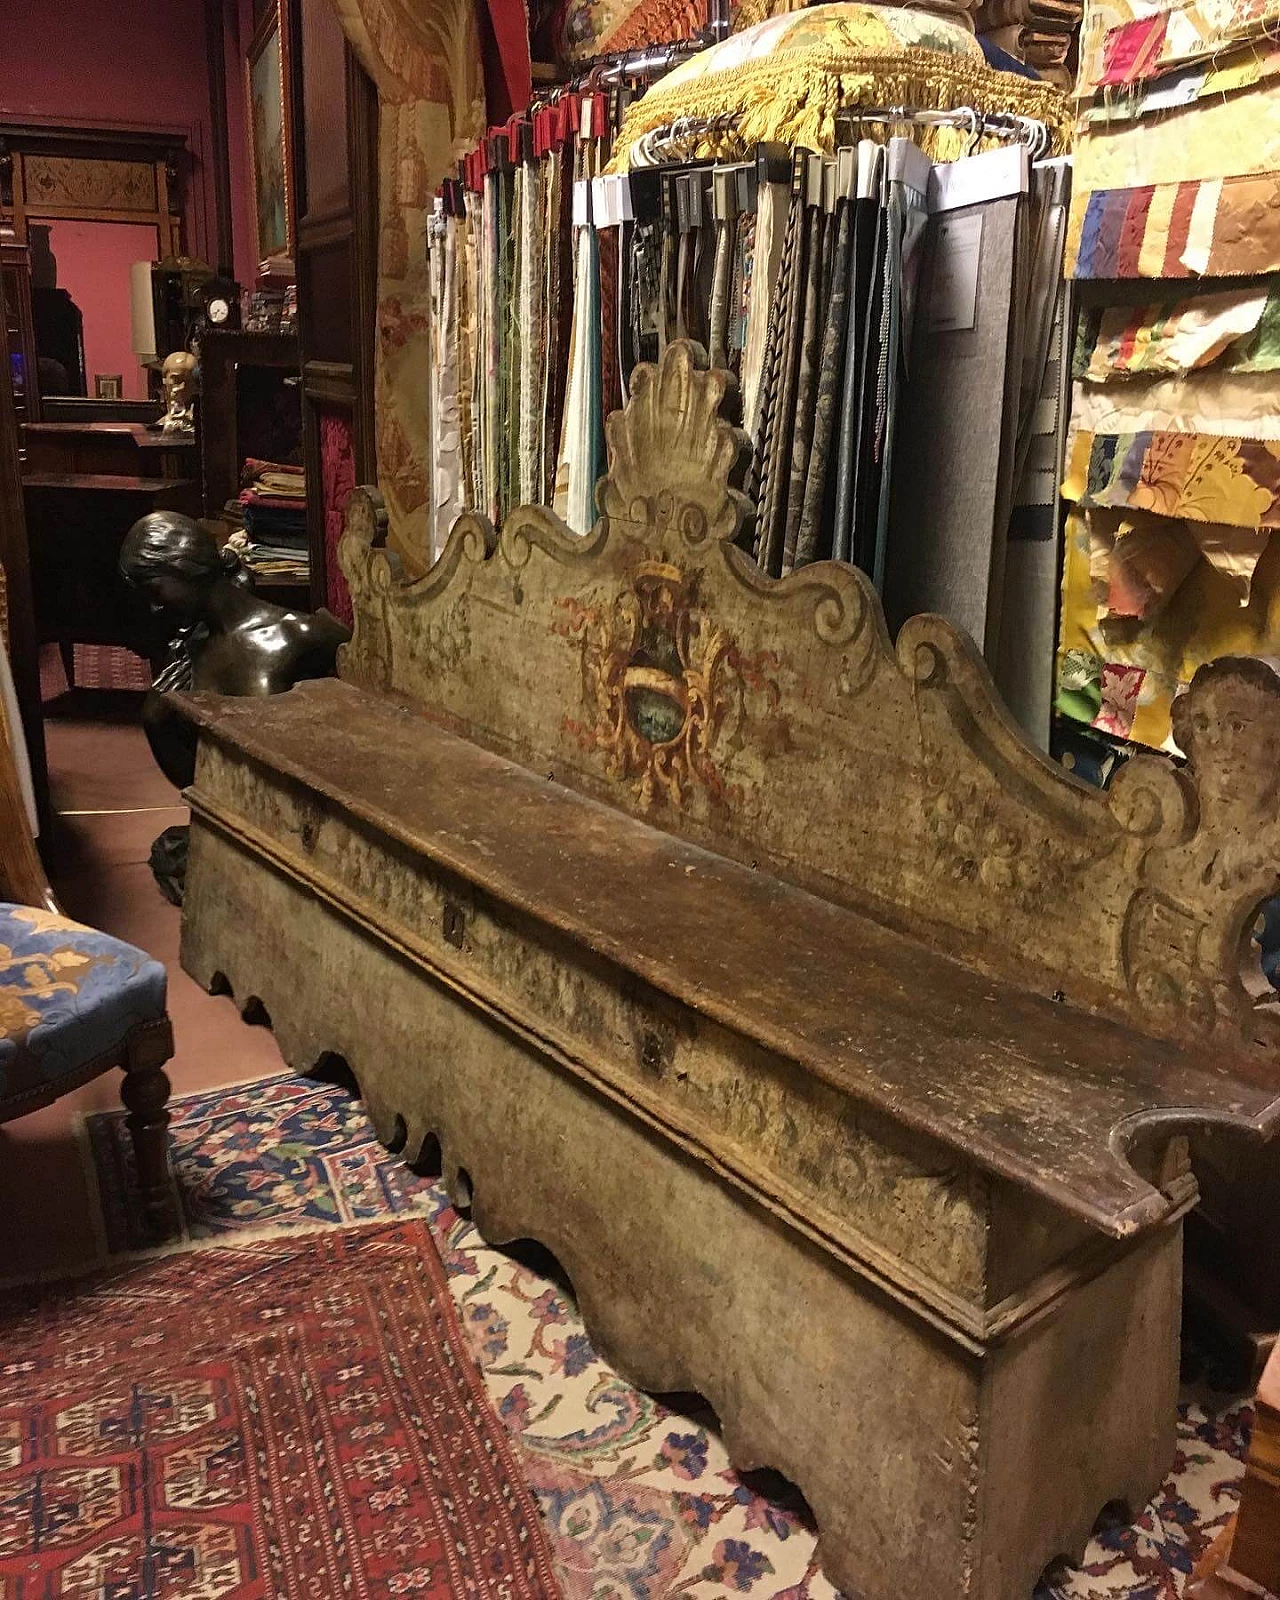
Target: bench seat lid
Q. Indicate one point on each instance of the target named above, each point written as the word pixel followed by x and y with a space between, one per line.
pixel 1040 1092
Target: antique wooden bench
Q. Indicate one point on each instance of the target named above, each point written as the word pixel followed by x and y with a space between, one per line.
pixel 843 1049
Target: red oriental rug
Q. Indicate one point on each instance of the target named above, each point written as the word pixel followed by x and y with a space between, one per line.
pixel 296 1417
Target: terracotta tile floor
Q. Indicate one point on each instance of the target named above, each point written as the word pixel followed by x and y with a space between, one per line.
pixel 111 801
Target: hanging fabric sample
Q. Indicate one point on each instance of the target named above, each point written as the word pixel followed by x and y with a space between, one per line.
pixel 530 321
pixel 777 419
pixel 773 191
pixel 645 323
pixel 809 322
pixel 1023 664
pixel 946 552
pixel 863 265
pixel 448 478
pixel 907 174
pixel 582 450
pixel 814 535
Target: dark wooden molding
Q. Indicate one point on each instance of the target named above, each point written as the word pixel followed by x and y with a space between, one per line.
pixel 15 558
pixel 219 154
pixel 330 227
pixel 362 152
pixel 291 43
pixel 164 150
pixel 70 139
pixel 330 382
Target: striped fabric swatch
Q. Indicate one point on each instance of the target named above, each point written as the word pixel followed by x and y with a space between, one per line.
pixel 1225 227
pixel 1176 336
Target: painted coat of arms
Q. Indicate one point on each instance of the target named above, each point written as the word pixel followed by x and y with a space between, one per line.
pixel 664 687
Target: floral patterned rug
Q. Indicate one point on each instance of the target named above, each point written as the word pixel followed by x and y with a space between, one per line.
pixel 639 1499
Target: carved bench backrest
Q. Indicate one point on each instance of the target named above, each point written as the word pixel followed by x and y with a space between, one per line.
pixel 653 666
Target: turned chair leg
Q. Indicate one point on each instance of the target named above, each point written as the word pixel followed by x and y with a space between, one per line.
pixel 145 1092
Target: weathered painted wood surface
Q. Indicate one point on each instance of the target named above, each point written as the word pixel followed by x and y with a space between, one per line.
pixel 841 1048
pixel 957 1373
pixel 652 665
pixel 1035 1091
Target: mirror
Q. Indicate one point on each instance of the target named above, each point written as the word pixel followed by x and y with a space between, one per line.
pixel 80 305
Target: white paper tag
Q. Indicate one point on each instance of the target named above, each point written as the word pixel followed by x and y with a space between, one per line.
pixel 582 202
pixel 953 304
pixel 990 176
pixel 1178 90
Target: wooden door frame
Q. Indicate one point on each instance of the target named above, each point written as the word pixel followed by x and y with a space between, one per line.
pixel 165 153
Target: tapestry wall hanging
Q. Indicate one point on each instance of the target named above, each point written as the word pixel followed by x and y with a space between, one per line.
pixel 424 59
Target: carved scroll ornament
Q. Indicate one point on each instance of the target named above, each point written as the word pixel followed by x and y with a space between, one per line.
pixel 651 664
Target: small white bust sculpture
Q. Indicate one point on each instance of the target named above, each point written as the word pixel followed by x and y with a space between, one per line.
pixel 178 380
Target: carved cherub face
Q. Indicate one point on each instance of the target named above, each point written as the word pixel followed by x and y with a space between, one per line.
pixel 1228 725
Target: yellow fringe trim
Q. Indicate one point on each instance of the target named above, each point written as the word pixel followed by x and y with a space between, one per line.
pixel 795 98
pixel 748 12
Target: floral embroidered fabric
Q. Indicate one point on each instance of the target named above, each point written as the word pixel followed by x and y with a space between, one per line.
pixel 68 995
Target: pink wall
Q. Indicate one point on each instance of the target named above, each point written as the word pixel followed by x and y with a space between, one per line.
pixel 93 266
pixel 130 63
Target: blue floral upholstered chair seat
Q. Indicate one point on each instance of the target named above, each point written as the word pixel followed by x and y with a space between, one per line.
pixel 69 998
pixel 75 1003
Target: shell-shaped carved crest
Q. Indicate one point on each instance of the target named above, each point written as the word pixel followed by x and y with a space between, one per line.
pixel 673 459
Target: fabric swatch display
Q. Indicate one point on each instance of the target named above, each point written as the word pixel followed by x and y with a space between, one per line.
pixel 1174 475
pixel 554 271
pixel 1173 459
pixel 1179 142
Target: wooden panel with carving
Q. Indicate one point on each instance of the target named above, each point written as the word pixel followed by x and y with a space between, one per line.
pixel 652 665
pixel 96 185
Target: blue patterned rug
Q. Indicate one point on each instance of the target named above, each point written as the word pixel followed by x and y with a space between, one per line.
pixel 640 1500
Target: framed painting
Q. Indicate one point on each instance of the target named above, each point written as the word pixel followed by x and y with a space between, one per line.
pixel 267 99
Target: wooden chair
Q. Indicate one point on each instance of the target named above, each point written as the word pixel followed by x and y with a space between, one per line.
pixel 75 1003
pixel 1244 1561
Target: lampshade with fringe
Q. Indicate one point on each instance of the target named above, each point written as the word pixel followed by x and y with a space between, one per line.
pixel 789 78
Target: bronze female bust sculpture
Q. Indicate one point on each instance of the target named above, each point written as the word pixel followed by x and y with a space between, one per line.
pixel 228 640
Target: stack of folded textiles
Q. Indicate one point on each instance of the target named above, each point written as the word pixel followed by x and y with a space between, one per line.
pixel 1042 33
pixel 273 507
